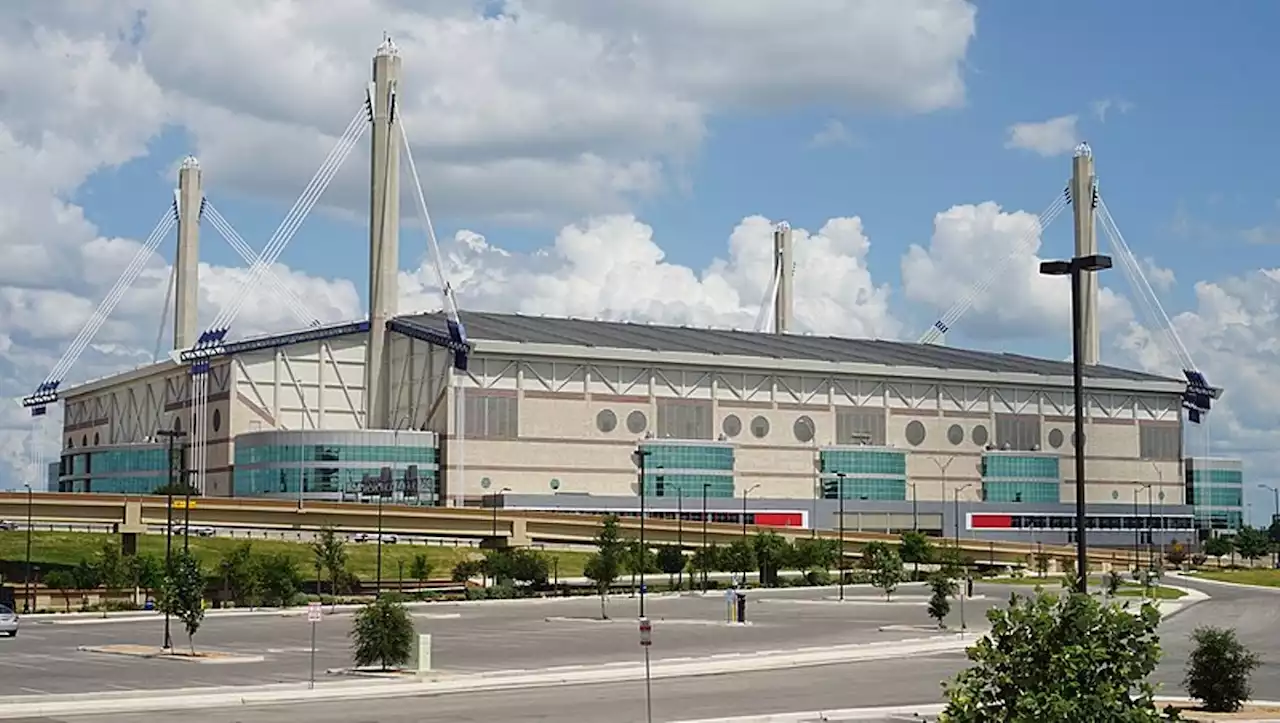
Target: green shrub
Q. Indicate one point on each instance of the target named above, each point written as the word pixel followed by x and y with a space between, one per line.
pixel 817 578
pixel 382 633
pixel 1218 670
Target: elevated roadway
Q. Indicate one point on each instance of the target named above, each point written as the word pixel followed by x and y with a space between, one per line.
pixel 132 515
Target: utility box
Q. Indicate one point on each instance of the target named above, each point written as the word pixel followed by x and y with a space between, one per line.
pixel 742 607
pixel 420 661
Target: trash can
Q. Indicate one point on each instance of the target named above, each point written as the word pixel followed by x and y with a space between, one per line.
pixel 742 607
pixel 969 584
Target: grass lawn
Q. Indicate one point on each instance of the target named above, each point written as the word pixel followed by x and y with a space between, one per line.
pixel 1265 578
pixel 1032 580
pixel 68 548
pixel 1159 593
pixel 1127 588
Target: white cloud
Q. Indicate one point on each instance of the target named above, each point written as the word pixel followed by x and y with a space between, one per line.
pixel 1160 277
pixel 970 243
pixel 1102 107
pixel 833 133
pixel 1053 137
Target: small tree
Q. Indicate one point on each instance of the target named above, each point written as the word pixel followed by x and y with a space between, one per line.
pixel 420 569
pixel 604 567
pixel 1059 657
pixel 1218 547
pixel 1252 543
pixel 382 633
pixel 61 580
pixel 1042 564
pixel 915 548
pixel 706 560
pixel 465 569
pixel 1176 554
pixel 771 552
pixel 1112 580
pixel 280 579
pixel 240 574
pixel 739 557
pixel 885 566
pixel 671 560
pixel 942 587
pixel 1218 670
pixel 182 594
pixel 110 568
pixel 84 575
pixel 146 572
pixel 330 552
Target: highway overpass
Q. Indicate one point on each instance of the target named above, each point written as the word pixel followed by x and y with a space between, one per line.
pixel 131 515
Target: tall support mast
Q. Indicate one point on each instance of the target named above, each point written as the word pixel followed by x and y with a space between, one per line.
pixel 186 297
pixel 1084 200
pixel 782 303
pixel 384 228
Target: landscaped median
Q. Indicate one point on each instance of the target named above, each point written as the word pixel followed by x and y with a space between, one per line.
pixel 49 706
pixel 1256 711
pixel 1255 578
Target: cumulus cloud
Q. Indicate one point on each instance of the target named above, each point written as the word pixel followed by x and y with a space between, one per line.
pixel 833 133
pixel 983 244
pixel 1053 137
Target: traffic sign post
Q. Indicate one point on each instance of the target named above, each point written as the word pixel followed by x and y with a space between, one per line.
pixel 646 640
pixel 314 615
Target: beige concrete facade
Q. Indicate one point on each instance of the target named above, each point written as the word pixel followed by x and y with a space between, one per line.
pixel 574 418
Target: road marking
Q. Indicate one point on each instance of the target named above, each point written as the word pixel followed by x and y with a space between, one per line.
pixel 37 691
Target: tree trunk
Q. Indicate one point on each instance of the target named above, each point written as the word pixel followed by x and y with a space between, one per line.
pixel 604 614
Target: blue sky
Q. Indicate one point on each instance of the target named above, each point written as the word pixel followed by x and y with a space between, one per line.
pixel 1183 154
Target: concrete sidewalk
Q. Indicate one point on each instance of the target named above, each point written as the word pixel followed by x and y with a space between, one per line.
pixel 50 706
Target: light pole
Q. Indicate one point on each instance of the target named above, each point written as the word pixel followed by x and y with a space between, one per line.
pixel 1075 269
pixel 172 435
pixel 956 499
pixel 640 455
pixel 1137 528
pixel 942 470
pixel 840 501
pixel 1275 515
pixel 705 550
pixel 496 495
pixel 1160 477
pixel 915 511
pixel 746 492
pixel 1151 563
pixel 29 604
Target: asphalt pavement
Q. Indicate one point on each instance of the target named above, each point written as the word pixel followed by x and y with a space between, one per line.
pixel 883 683
pixel 466 638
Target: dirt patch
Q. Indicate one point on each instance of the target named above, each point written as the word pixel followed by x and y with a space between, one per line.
pixel 1256 713
pixel 176 655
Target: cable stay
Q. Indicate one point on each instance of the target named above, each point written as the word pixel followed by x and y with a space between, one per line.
pixel 237 242
pixel 164 310
pixel 210 344
pixel 961 307
pixel 457 332
pixel 770 300
pixel 1198 398
pixel 47 392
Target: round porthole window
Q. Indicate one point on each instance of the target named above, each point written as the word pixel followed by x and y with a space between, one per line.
pixel 915 433
pixel 1056 438
pixel 1115 495
pixel 606 421
pixel 804 429
pixel 555 484
pixel 980 437
pixel 1161 496
pixel 955 434
pixel 760 427
pixel 637 422
pixel 731 426
pixel 486 482
pixel 1084 439
pixel 217 419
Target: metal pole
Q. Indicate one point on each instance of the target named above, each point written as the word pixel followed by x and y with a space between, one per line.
pixel 379 588
pixel 744 514
pixel 915 509
pixel 1137 530
pixel 955 496
pixel 680 534
pixel 29 605
pixel 1151 563
pixel 311 684
pixel 1077 383
pixel 648 688
pixel 494 502
pixel 641 453
pixel 186 519
pixel 705 552
pixel 840 497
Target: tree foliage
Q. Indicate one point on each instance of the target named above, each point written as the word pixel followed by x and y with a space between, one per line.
pixel 112 570
pixel 521 565
pixel 605 565
pixel 420 568
pixel 771 552
pixel 1059 657
pixel 1042 563
pixel 1176 553
pixel 884 565
pixel 1218 547
pixel 915 548
pixel 382 634
pixel 240 574
pixel 280 579
pixel 330 552
pixel 1251 543
pixel 671 560
pixel 1112 581
pixel 1218 670
pixel 146 572
pixel 182 594
pixel 816 554
pixel 739 557
pixel 941 587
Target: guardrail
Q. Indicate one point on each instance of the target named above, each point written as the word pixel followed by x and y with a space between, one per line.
pixel 129 513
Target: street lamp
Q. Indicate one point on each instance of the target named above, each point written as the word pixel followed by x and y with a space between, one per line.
pixel 1137 524
pixel 956 501
pixel 915 510
pixel 496 495
pixel 1075 269
pixel 705 551
pixel 172 435
pixel 746 492
pixel 640 455
pixel 29 606
pixel 840 498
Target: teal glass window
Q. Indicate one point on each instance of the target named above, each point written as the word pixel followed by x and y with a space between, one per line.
pixel 688 485
pixel 865 488
pixel 859 461
pixel 1021 477
pixel 683 469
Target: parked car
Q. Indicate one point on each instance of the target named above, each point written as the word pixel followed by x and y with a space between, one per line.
pixel 8 526
pixel 8 622
pixel 197 531
pixel 387 539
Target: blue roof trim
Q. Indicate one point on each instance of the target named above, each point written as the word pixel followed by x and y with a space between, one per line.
pixel 275 341
pixel 437 337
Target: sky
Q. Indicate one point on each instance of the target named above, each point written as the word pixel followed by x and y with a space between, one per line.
pixel 628 160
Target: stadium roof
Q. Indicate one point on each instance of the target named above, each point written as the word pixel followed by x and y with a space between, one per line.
pixel 591 334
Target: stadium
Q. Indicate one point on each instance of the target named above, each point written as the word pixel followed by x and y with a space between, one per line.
pixel 575 415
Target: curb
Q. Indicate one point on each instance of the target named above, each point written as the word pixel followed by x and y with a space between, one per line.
pixel 1224 583
pixel 97 704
